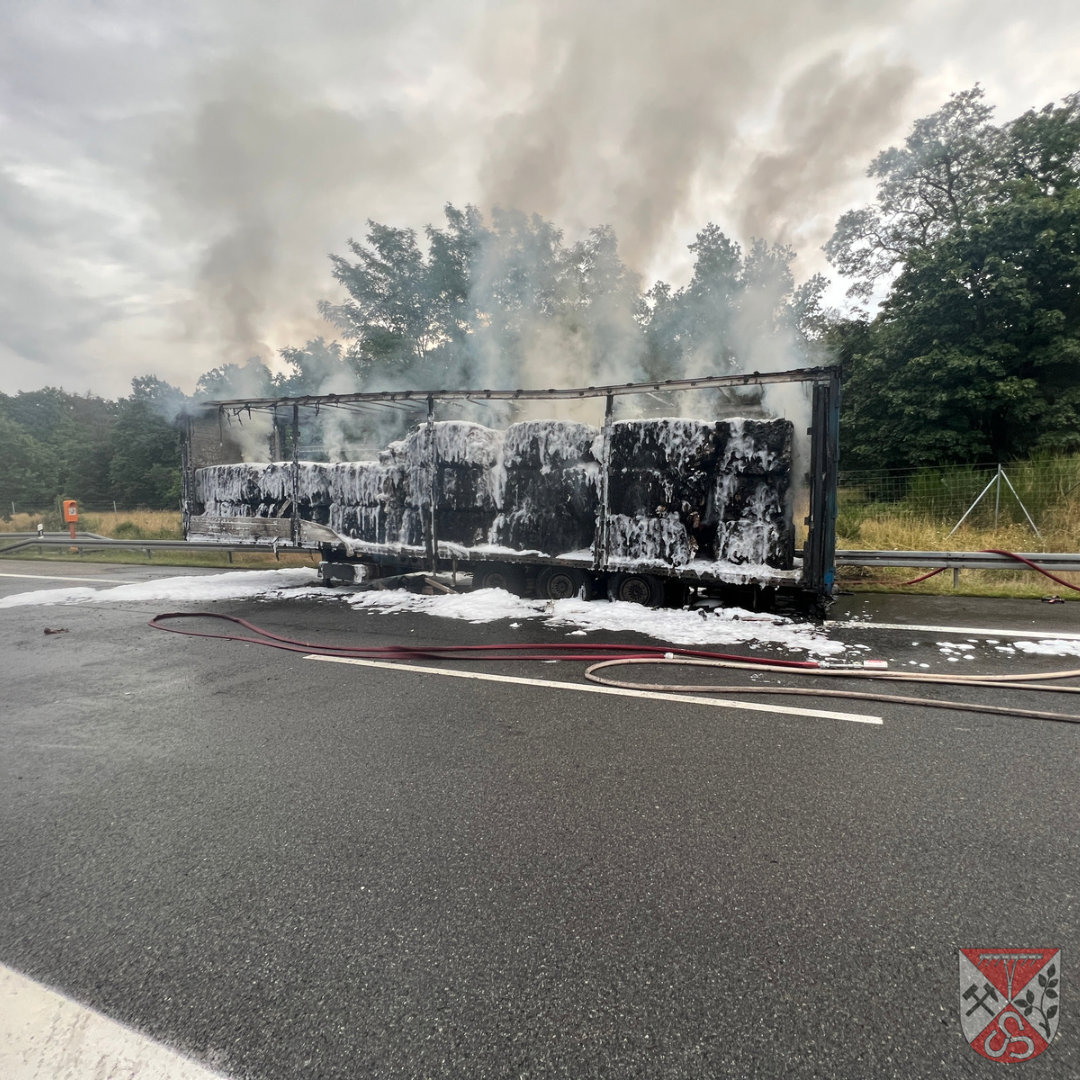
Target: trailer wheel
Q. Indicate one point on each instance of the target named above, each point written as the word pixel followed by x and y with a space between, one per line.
pixel 564 583
pixel 500 576
pixel 644 589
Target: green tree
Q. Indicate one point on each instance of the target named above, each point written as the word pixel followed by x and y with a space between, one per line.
pixel 483 301
pixel 144 467
pixel 390 315
pixel 741 311
pixel 230 381
pixel 166 400
pixel 28 471
pixel 319 367
pixel 974 354
pixel 933 184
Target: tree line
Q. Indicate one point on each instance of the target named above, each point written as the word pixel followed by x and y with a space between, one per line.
pixel 972 245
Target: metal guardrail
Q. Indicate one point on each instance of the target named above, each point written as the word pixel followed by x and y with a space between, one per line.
pixel 959 560
pixel 93 542
pixel 950 560
pixel 5 536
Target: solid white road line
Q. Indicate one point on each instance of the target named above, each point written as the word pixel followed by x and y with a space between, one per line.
pixel 45 1036
pixel 51 577
pixel 590 688
pixel 994 632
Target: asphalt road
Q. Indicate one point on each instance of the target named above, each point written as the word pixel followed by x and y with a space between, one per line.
pixel 289 868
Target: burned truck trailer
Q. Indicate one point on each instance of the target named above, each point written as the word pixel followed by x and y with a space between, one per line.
pixel 638 508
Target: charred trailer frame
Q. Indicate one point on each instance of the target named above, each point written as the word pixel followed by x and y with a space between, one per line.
pixel 432 532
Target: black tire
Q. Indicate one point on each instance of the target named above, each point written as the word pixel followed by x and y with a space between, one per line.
pixel 500 576
pixel 564 583
pixel 644 589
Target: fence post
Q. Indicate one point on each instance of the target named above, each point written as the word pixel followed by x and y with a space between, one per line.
pixel 973 505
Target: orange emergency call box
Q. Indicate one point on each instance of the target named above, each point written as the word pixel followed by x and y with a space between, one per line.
pixel 71 514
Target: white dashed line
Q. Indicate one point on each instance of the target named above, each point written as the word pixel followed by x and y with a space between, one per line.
pixel 51 577
pixel 588 688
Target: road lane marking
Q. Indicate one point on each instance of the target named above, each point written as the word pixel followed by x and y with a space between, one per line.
pixel 590 688
pixel 46 1036
pixel 1049 635
pixel 52 577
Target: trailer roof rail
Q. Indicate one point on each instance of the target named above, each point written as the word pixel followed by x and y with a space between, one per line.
pixel 422 398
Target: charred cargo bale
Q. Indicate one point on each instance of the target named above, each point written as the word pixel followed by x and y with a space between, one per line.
pixel 669 445
pixel 412 526
pixel 659 477
pixel 245 489
pixel 275 488
pixel 547 487
pixel 449 465
pixel 313 481
pixel 660 466
pixel 552 533
pixel 547 445
pixel 715 490
pixel 762 536
pixel 227 490
pixel 660 539
pixel 368 501
pixel 367 523
pixel 749 506
pixel 755 447
pixel 469 528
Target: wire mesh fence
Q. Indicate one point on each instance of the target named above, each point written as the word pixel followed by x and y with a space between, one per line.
pixel 1040 494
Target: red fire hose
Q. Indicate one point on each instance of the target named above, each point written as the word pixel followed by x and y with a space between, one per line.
pixel 609 655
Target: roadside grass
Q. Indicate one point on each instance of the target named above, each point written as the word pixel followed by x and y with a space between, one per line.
pixel 124 525
pixel 144 525
pixel 1060 533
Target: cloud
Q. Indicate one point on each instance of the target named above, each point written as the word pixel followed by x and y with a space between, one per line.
pixel 172 177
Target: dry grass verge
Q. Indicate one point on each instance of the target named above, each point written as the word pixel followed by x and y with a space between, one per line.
pixel 145 525
pixel 884 533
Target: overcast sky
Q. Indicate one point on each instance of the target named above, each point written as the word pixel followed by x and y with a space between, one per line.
pixel 174 174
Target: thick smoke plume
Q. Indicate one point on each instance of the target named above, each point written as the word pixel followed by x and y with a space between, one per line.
pixel 628 111
pixel 264 172
pixel 630 114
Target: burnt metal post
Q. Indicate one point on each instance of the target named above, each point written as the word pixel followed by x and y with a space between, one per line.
pixel 432 538
pixel 819 571
pixel 295 527
pixel 600 536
